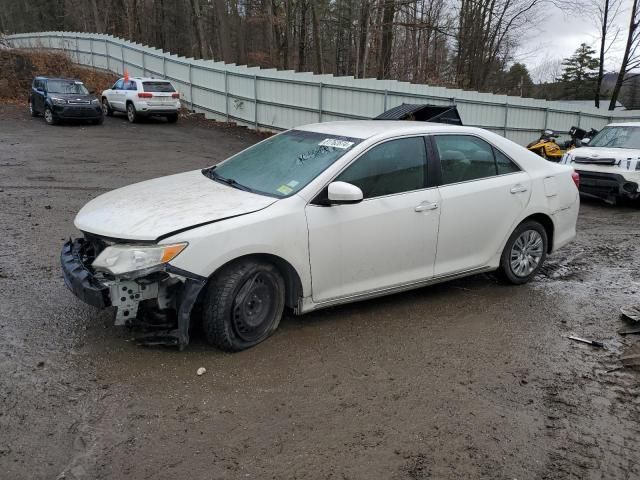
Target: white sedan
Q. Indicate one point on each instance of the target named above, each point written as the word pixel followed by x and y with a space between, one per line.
pixel 316 216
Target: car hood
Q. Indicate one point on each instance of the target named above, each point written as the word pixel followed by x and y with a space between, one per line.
pixel 73 96
pixel 148 210
pixel 604 152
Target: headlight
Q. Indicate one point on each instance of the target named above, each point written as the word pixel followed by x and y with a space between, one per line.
pixel 58 101
pixel 95 101
pixel 119 259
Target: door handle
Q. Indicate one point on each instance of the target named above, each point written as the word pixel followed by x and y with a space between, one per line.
pixel 518 189
pixel 426 206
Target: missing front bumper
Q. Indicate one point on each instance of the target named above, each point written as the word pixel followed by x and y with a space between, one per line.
pixel 138 301
pixel 607 186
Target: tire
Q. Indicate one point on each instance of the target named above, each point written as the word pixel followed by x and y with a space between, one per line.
pixel 243 305
pixel 132 115
pixel 32 110
pixel 173 118
pixel 48 116
pixel 99 121
pixel 524 254
pixel 106 108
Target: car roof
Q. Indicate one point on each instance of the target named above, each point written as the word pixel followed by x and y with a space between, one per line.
pixel 59 78
pixel 148 79
pixel 364 129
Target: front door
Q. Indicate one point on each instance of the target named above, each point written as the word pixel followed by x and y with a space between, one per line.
pixel 38 96
pixel 388 239
pixel 116 96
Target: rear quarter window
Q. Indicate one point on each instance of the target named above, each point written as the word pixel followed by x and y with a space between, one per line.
pixel 157 87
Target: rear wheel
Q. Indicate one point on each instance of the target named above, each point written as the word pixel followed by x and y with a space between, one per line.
pixel 132 115
pixel 48 116
pixel 524 253
pixel 243 305
pixel 106 108
pixel 172 118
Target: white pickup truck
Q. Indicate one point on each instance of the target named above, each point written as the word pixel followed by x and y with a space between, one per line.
pixel 609 166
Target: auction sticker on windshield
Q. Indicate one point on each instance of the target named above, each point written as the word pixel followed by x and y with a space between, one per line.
pixel 285 190
pixel 335 143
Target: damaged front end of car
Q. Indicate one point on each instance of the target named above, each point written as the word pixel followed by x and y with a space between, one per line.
pixel 148 293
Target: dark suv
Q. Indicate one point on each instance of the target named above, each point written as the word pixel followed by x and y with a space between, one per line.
pixel 63 99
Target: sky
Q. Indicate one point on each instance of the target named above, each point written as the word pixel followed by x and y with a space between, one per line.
pixel 560 34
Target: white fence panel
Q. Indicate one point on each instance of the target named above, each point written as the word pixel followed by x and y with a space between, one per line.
pixel 276 100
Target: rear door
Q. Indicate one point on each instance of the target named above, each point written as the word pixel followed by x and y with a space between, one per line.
pixel 483 194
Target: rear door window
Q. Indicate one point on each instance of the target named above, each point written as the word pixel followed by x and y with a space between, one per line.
pixel 392 167
pixel 504 164
pixel 158 87
pixel 464 158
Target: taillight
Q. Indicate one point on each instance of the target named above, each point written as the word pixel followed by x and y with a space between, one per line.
pixel 145 95
pixel 175 95
pixel 576 178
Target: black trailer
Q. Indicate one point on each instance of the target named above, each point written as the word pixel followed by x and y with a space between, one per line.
pixel 423 113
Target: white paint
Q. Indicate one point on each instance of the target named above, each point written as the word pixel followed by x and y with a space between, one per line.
pixel 161 101
pixel 147 210
pixel 342 252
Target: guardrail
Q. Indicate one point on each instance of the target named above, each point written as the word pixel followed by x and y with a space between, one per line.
pixel 275 100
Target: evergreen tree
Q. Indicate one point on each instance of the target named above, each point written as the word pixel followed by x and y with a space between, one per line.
pixel 580 74
pixel 518 80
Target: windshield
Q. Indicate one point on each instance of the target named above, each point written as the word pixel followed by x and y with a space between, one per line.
pixel 282 165
pixel 66 86
pixel 617 137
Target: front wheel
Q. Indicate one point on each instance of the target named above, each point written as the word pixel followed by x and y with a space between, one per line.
pixel 48 116
pixel 106 108
pixel 243 305
pixel 132 115
pixel 524 253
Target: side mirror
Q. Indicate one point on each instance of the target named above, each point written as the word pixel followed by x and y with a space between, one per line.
pixel 92 92
pixel 341 193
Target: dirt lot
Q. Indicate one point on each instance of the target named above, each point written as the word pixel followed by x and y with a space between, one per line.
pixel 469 379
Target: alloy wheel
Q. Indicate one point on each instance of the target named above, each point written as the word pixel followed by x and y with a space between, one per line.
pixel 526 253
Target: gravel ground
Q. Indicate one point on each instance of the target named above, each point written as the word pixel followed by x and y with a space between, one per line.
pixel 468 379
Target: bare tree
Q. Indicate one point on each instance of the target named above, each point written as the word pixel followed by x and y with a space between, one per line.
pixel 631 57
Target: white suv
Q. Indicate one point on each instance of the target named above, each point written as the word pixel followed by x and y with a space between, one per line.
pixel 141 96
pixel 609 165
